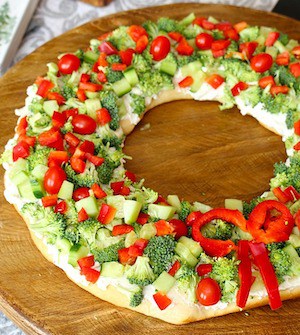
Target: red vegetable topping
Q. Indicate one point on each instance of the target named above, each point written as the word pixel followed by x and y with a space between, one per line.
pixel 203 269
pixel 174 268
pixel 208 292
pixel 162 300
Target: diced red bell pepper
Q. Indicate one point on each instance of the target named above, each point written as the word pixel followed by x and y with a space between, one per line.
pixel 106 214
pixel 223 26
pixel 126 56
pixel 266 226
pixel 142 218
pixel 174 268
pixel 98 192
pixel 245 273
pixel 30 140
pixel 102 60
pixel 186 82
pixel 141 243
pixel 141 44
pixel 56 96
pixel 296 51
pixel 108 48
pixel 240 86
pixel 44 87
pixel 57 157
pixel 295 69
pixel 279 90
pixel 82 215
pixel 72 139
pixel 192 217
pixel 90 274
pixel 61 207
pixel 125 190
pixel 118 67
pixel 283 58
pixel 297 127
pixel 216 247
pixel 220 45
pixel 136 32
pixel 218 53
pixel 58 119
pixel 90 87
pixel 86 262
pixel 184 48
pixel 130 175
pixel 240 26
pixel 97 161
pixel 163 228
pixel 179 228
pixel 280 195
pixel 122 229
pixel 272 38
pixel 265 81
pixel 117 187
pixel 262 261
pixel 175 36
pixel 22 126
pixel 232 34
pixel 292 193
pixel 87 147
pixel 297 146
pixel 135 251
pixel 125 258
pixel 162 300
pixel 21 150
pixel 198 21
pixel 85 78
pixel 78 153
pixel 71 112
pixel 81 95
pixel 101 77
pixel 103 116
pixel 215 80
pixel 208 25
pixel 248 49
pixel 204 269
pixel 78 165
pixel 161 201
pixel 49 200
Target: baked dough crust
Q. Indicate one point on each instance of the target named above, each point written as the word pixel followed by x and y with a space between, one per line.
pixel 181 312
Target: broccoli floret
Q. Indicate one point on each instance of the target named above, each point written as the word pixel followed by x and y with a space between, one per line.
pixel 240 70
pixel 284 76
pixel 72 234
pixel 226 100
pixel 298 251
pixel 38 156
pixel 113 76
pixel 166 24
pixel 141 64
pixel 187 281
pixel 191 31
pixel 109 253
pixel 105 172
pixel 112 141
pixel 249 206
pixel 85 179
pixel 218 34
pixel 249 34
pixel 68 92
pixel 113 59
pixel 88 230
pixel 121 39
pixel 153 82
pixel 281 262
pixel 186 209
pixel 36 106
pixel 140 273
pixel 225 272
pixel 291 117
pixel 275 246
pixel 151 29
pixel 160 251
pixel 233 46
pixel 251 96
pixel 281 179
pixel 145 196
pixel 137 103
pixel 109 101
pixel 38 123
pixel 136 297
pixel 280 168
pixel 67 127
pixel 219 230
pixel 44 221
pixel 280 103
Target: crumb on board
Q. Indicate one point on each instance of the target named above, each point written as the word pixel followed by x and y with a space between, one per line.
pixel 147 126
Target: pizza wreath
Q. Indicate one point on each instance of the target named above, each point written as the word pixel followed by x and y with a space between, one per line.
pixel 123 242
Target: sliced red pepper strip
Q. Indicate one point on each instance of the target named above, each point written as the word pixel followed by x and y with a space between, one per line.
pixel 245 273
pixel 162 300
pixel 22 126
pixel 268 228
pixel 262 261
pixel 280 195
pixel 106 214
pixel 122 229
pixel 174 268
pixel 216 247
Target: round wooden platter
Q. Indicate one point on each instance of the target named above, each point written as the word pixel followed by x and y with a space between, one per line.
pixel 191 149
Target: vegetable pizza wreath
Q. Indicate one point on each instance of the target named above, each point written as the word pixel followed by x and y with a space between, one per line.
pixel 123 242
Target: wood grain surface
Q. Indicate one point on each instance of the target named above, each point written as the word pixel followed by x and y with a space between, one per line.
pixel 191 149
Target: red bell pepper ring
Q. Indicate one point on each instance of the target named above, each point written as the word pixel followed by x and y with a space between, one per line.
pixel 245 273
pixel 268 228
pixel 174 268
pixel 192 217
pixel 162 300
pixel 122 229
pixel 262 261
pixel 216 247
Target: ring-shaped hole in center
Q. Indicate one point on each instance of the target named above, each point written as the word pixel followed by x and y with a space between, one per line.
pixel 200 153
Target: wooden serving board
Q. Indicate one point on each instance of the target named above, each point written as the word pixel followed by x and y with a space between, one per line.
pixel 191 149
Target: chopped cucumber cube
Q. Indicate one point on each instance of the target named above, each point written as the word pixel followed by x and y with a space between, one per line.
pixel 50 106
pixel 39 171
pixel 234 204
pixel 164 282
pixel 90 57
pixel 37 188
pixel 112 270
pixel 121 87
pixel 174 201
pixel 147 231
pixel 90 206
pixel 184 253
pixel 77 251
pixel 92 105
pixel 132 209
pixel 295 240
pixel 66 190
pixel 131 76
pixel 25 190
pixel 117 201
pixel 19 178
pixel 161 211
pixel 193 246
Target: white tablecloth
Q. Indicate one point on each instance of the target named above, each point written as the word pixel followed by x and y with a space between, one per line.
pixel 53 17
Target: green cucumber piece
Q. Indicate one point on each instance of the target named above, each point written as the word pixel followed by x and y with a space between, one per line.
pixel 63 245
pixel 199 206
pixel 130 239
pixel 147 231
pixel 272 51
pixel 112 270
pixel 198 80
pixel 264 31
pixel 191 68
pixel 66 190
pixel 50 106
pixel 280 46
pixel 37 188
pixel 164 282
pixel 234 204
pixel 295 268
pixel 161 212
pixel 90 57
pixel 25 191
pixel 193 246
pixel 92 105
pixel 212 20
pixel 90 206
pixel 188 19
pixel 117 201
pixel 121 87
pixel 168 67
pixel 77 251
pixel 132 209
pixel 294 240
pixel 184 253
pixel 19 178
pixel 174 201
pixel 39 171
pixel 19 165
pixel 131 76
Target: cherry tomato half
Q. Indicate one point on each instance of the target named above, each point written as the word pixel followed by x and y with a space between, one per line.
pixel 261 62
pixel 81 193
pixel 83 124
pixel 160 47
pixel 68 63
pixel 53 179
pixel 208 292
pixel 204 41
